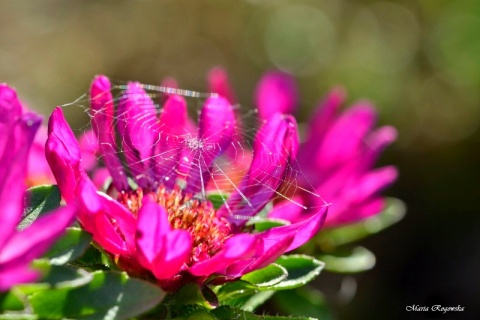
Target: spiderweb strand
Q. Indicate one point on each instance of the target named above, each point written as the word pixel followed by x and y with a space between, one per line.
pixel 150 160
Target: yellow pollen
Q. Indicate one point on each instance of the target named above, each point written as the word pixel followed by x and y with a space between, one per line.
pixel 199 218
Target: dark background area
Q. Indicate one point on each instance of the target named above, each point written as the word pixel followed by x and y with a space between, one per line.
pixel 417 61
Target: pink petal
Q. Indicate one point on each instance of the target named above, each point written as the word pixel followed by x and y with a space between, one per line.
pixel 32 242
pixel 216 125
pixel 16 274
pixel 370 184
pixel 218 83
pixel 89 148
pixel 160 249
pixel 274 147
pixel 376 142
pixel 270 252
pixel 289 210
pixel 63 155
pixel 175 253
pixel 13 159
pixel 347 137
pixel 171 133
pixel 102 110
pixel 39 171
pixel 276 92
pixel 97 217
pixel 152 228
pixel 137 118
pixel 302 231
pixel 239 247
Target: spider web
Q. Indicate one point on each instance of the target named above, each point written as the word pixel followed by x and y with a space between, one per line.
pixel 210 169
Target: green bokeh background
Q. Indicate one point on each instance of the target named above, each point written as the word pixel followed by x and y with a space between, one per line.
pixel 418 61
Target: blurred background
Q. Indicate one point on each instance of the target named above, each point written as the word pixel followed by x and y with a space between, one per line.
pixel 418 61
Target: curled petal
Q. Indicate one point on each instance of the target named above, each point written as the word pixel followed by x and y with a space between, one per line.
pixel 102 110
pixel 160 249
pixel 105 219
pixel 376 142
pixel 152 227
pixel 274 147
pixel 276 92
pixel 346 138
pixel 302 231
pixel 269 252
pixel 137 119
pixel 63 155
pixel 170 132
pixel 238 247
pixel 218 83
pixel 178 245
pixel 216 125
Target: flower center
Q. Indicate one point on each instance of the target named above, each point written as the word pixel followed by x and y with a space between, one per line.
pixel 198 217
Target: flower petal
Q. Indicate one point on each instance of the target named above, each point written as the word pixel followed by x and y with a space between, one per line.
pixel 152 228
pixel 104 220
pixel 137 118
pixel 32 242
pixel 274 147
pixel 63 155
pixel 239 247
pixel 276 92
pixel 160 249
pixel 13 158
pixel 269 253
pixel 102 110
pixel 16 274
pixel 171 132
pixel 218 83
pixel 346 138
pixel 302 231
pixel 216 125
pixel 177 249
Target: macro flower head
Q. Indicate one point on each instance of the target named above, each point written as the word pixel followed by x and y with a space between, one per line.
pixel 19 248
pixel 156 219
pixel 338 153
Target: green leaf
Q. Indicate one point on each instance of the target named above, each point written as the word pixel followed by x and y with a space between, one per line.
pixel 94 259
pixel 110 295
pixel 266 277
pixel 71 246
pixel 40 200
pixel 301 270
pixel 262 224
pixel 255 300
pixel 349 260
pixel 56 277
pixel 10 301
pixel 303 301
pixel 394 212
pixel 228 312
pixel 217 199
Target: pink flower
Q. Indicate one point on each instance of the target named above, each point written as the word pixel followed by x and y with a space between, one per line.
pixel 19 248
pixel 338 154
pixel 162 230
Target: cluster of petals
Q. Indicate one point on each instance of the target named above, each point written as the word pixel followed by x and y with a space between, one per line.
pixel 338 153
pixel 19 248
pixel 146 226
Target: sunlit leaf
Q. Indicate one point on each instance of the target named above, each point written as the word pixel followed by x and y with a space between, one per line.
pixel 72 245
pixel 40 200
pixel 109 295
pixel 348 260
